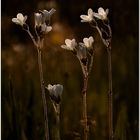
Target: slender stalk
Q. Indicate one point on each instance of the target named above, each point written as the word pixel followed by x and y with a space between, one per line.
pixel 91 63
pixel 110 94
pixel 43 94
pixel 32 37
pixel 84 102
pixel 58 122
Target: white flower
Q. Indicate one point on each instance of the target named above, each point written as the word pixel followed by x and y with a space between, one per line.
pixel 88 42
pixel 55 92
pixel 38 19
pixel 47 14
pixel 70 44
pixel 20 19
pixel 87 18
pixel 81 52
pixel 102 14
pixel 45 28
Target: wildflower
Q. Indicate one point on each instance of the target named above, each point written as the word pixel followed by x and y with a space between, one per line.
pixel 45 28
pixel 55 92
pixel 70 44
pixel 20 19
pixel 38 19
pixel 82 53
pixel 47 14
pixel 89 17
pixel 102 14
pixel 88 42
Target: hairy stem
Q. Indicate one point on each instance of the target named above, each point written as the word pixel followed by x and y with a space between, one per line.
pixel 43 94
pixel 84 102
pixel 110 95
pixel 91 63
pixel 58 122
pixel 32 37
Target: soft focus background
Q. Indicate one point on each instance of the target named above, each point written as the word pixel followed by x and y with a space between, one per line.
pixel 22 110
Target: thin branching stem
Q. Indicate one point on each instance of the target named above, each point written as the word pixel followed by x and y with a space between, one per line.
pixel 91 63
pixel 43 94
pixel 58 122
pixel 110 95
pixel 84 101
pixel 32 37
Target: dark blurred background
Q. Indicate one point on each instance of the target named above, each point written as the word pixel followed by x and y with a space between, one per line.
pixel 22 110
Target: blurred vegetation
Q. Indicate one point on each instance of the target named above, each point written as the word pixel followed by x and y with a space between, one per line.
pixel 22 110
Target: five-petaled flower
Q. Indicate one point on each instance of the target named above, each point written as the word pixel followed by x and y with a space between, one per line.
pixel 47 14
pixel 38 19
pixel 102 14
pixel 20 19
pixel 45 28
pixel 70 45
pixel 40 24
pixel 89 17
pixel 55 92
pixel 88 42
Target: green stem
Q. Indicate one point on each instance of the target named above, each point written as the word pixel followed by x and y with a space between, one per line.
pixel 43 94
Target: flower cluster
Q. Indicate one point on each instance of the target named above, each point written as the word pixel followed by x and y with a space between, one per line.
pixel 55 92
pixel 80 49
pixel 41 21
pixel 102 15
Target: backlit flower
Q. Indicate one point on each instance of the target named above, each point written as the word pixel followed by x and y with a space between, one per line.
pixel 38 19
pixel 20 19
pixel 102 14
pixel 87 18
pixel 47 14
pixel 88 42
pixel 45 28
pixel 55 92
pixel 82 53
pixel 70 44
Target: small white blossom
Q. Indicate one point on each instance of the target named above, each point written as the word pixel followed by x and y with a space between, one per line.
pixel 45 28
pixel 47 14
pixel 81 51
pixel 102 14
pixel 89 17
pixel 70 44
pixel 38 19
pixel 88 42
pixel 55 92
pixel 20 19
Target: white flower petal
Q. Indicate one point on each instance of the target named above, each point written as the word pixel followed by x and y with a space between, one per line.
pixel 59 89
pixel 68 42
pixel 15 20
pixel 107 11
pixel 85 40
pixel 84 17
pixel 90 12
pixel 66 47
pixel 38 19
pixel 101 11
pixel 97 16
pixel 91 40
pixel 52 11
pixel 20 17
pixel 73 43
pixel 49 28
pixel 84 21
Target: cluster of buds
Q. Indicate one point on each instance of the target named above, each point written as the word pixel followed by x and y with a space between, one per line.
pixel 55 93
pixel 42 21
pixel 81 49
